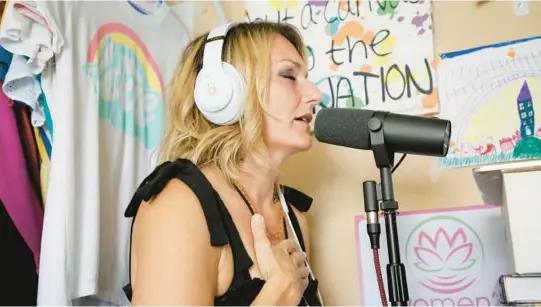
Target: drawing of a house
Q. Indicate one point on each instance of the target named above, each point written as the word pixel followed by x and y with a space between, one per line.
pixel 528 145
pixel 526 111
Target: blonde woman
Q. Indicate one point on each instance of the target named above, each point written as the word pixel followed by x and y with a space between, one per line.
pixel 210 228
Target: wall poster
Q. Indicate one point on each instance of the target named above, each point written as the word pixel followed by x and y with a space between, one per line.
pixel 453 257
pixel 364 54
pixel 492 95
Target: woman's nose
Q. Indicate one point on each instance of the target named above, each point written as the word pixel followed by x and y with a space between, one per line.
pixel 313 94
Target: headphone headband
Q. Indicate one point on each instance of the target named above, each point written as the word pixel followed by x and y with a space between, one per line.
pixel 212 54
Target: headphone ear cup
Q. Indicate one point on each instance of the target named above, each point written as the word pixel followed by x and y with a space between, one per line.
pixel 238 97
pixel 219 94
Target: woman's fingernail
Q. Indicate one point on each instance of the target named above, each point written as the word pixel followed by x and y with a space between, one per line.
pixel 257 218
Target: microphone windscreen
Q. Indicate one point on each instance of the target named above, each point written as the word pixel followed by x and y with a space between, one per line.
pixel 343 127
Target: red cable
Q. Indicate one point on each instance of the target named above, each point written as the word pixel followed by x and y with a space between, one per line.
pixel 379 277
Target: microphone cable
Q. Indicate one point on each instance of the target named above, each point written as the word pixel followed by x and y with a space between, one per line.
pixel 371 207
pixel 381 286
pixel 398 163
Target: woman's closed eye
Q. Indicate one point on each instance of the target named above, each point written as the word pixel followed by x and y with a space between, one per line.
pixel 289 77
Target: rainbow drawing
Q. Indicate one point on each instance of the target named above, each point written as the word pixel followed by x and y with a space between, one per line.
pixel 128 83
pixel 491 95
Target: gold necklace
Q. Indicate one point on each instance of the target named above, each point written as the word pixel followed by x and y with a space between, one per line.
pixel 275 237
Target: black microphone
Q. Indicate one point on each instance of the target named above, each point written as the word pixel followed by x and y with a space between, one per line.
pixel 402 133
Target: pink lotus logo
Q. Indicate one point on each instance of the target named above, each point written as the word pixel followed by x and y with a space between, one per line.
pixel 444 253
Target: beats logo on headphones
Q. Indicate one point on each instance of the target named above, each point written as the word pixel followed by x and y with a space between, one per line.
pixel 211 89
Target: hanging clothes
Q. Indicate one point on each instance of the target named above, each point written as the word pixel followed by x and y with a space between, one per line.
pixel 5 61
pixel 28 145
pixel 21 216
pixel 107 66
pixel 22 86
pixel 19 280
pixel 16 192
pixel 44 150
pixel 42 100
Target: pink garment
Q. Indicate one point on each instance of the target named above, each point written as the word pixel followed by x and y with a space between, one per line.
pixel 16 192
pixel 29 11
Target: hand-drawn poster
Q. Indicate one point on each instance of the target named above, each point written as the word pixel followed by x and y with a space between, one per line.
pixel 364 54
pixel 492 95
pixel 452 257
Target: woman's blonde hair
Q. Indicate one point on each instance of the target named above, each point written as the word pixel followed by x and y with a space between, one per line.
pixel 189 135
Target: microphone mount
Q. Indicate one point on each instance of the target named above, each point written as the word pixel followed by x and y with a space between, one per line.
pixel 384 195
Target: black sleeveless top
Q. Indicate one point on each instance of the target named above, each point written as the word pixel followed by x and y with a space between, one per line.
pixel 243 289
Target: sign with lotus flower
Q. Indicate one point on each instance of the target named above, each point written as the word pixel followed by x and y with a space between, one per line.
pixel 453 257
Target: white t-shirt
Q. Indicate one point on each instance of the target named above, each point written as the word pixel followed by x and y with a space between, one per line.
pixel 106 70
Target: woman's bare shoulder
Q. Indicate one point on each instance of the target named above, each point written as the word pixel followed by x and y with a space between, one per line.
pixel 175 262
pixel 175 215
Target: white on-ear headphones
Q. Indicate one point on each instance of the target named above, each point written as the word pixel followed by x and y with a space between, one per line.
pixel 219 88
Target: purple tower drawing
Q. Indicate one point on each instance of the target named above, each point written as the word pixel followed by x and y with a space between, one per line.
pixel 526 111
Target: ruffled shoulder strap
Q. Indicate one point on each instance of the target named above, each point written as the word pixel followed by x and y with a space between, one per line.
pixel 297 199
pixel 189 173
